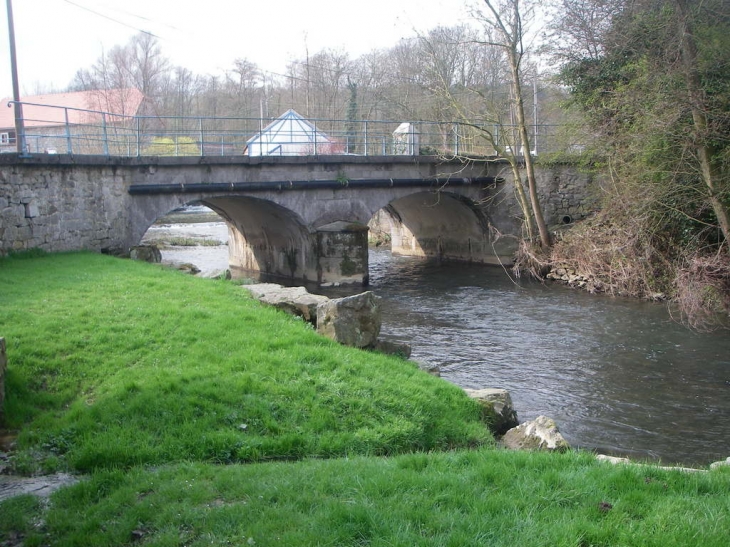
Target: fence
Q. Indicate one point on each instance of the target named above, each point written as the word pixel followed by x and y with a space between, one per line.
pixel 67 130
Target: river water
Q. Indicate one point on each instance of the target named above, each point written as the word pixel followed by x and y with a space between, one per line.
pixel 618 376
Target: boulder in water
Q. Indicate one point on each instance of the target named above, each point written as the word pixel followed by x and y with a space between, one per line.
pixel 498 410
pixel 540 434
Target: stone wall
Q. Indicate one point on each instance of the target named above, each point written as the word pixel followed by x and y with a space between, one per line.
pixel 567 194
pixel 61 208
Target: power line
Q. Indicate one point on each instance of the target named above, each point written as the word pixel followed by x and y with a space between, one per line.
pixel 110 18
pixel 143 18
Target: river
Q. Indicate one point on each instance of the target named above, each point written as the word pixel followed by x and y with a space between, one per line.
pixel 619 376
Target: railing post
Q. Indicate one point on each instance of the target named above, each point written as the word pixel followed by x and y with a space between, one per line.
pixel 366 137
pixel 69 148
pixel 202 137
pixel 139 150
pixel 106 137
pixel 456 139
pixel 314 124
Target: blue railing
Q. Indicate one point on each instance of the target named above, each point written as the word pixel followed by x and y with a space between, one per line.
pixel 65 130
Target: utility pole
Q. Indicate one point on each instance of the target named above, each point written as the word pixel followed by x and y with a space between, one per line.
pixel 19 127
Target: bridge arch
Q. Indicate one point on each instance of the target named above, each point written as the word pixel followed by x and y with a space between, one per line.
pixel 444 225
pixel 266 237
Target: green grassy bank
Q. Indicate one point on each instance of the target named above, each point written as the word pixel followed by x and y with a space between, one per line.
pixel 148 380
pixel 116 363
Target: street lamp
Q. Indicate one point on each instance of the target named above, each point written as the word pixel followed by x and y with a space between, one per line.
pixel 19 127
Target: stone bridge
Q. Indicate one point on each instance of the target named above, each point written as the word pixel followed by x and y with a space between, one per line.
pixel 301 218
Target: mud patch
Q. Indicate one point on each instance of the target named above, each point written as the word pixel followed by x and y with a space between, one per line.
pixel 43 486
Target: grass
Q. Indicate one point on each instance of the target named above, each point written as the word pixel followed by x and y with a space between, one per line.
pixel 147 380
pixel 117 363
pixel 481 497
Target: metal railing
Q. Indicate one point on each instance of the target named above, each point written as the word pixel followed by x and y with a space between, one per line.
pixel 65 130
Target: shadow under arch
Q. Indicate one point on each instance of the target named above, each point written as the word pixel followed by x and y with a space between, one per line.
pixel 447 226
pixel 266 239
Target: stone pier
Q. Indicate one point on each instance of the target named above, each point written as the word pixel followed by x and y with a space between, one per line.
pixel 342 254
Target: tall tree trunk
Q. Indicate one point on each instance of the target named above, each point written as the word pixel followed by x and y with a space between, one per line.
pixel 507 20
pixel 545 238
pixel 522 198
pixel 705 151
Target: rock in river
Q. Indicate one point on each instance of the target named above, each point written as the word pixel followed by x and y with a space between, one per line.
pixel 499 412
pixel 540 434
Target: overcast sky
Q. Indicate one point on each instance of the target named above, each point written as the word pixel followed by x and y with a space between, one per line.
pixel 55 38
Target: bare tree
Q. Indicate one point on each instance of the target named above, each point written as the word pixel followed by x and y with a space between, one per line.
pixel 506 24
pixel 582 27
pixel 146 64
pixel 243 86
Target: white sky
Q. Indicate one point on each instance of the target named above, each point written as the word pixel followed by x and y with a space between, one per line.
pixel 55 38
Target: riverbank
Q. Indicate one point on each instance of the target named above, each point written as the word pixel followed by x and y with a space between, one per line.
pixel 146 381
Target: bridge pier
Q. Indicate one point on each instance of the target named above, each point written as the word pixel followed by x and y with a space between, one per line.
pixel 342 252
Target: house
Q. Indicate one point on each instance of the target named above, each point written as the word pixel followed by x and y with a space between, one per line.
pixel 290 135
pixel 75 122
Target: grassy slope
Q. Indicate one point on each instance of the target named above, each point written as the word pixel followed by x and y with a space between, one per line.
pixel 114 364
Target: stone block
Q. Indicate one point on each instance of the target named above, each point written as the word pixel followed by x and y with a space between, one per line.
pixel 146 253
pixel 296 301
pixel 398 349
pixel 352 321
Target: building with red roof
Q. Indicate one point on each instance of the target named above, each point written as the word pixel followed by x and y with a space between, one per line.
pixel 71 122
